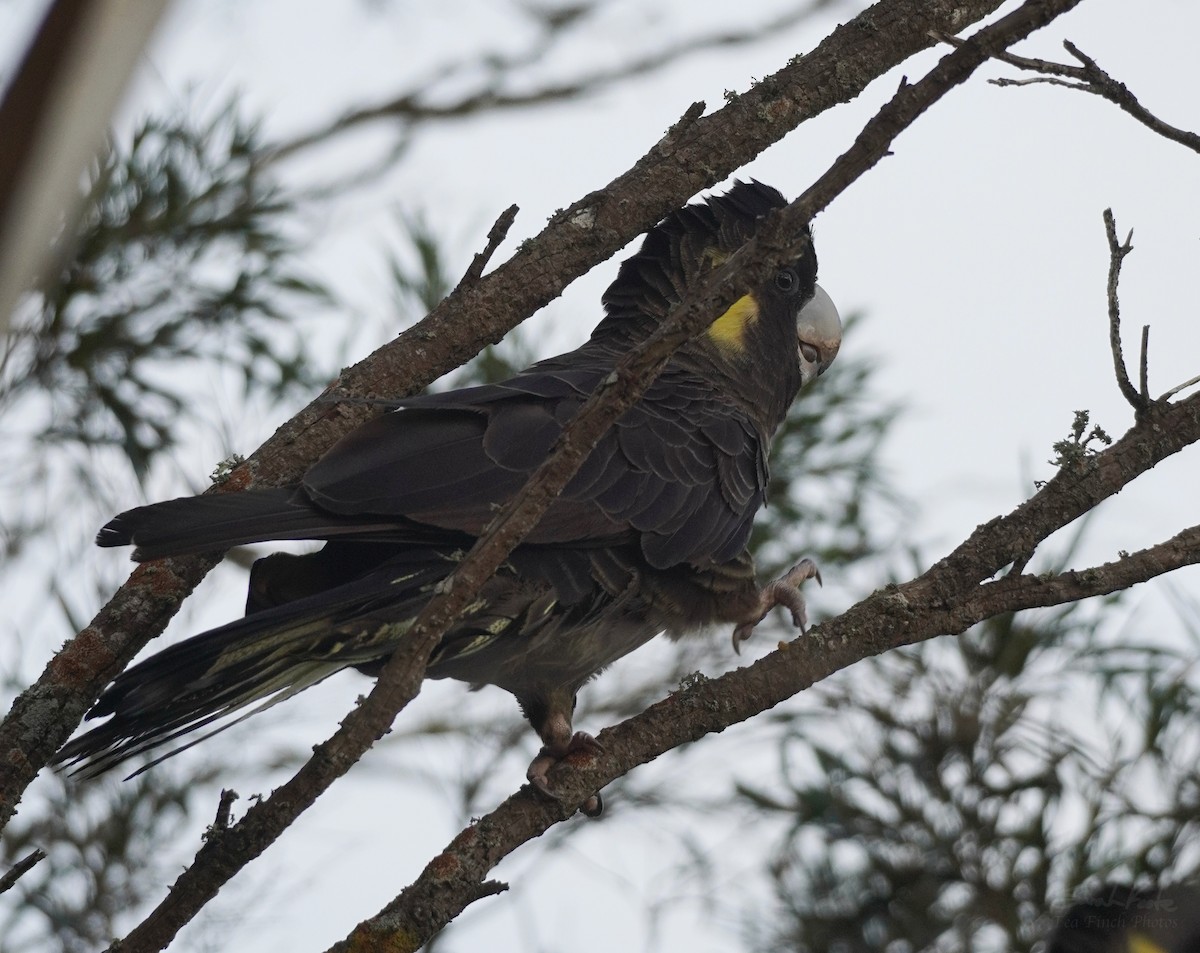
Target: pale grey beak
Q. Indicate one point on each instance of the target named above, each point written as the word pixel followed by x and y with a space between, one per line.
pixel 819 335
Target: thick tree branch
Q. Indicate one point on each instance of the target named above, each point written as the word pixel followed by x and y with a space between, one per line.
pixel 695 154
pixel 400 679
pixel 949 598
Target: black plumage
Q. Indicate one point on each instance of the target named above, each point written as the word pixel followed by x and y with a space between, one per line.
pixel 649 536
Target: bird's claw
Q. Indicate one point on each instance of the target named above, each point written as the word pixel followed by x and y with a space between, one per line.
pixel 538 774
pixel 785 592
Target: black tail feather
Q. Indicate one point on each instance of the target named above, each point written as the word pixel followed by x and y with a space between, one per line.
pixel 198 524
pixel 252 663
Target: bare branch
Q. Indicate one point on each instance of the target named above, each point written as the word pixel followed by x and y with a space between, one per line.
pixel 1090 78
pixel 1116 255
pixel 21 868
pixel 224 811
pixel 1144 367
pixel 954 594
pixel 497 234
pixel 416 107
pixel 701 153
pixel 1179 388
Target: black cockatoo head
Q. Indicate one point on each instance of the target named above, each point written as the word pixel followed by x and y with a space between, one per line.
pixel 787 314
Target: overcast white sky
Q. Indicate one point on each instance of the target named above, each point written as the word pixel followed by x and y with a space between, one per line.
pixel 977 251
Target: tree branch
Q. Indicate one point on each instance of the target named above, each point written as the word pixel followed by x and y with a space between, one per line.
pixel 409 110
pixel 1090 78
pixel 495 237
pixel 21 868
pixel 401 677
pixel 1144 368
pixel 1179 388
pixel 688 159
pixel 947 599
pixel 1116 255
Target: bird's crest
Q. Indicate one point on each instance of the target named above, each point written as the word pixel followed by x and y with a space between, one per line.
pixel 677 250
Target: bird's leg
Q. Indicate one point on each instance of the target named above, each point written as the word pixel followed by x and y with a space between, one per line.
pixel 784 591
pixel 559 742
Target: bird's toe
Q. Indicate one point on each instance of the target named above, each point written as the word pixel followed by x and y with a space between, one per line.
pixel 551 754
pixel 784 592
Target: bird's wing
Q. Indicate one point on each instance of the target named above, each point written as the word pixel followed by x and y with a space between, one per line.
pixel 682 473
pixel 681 470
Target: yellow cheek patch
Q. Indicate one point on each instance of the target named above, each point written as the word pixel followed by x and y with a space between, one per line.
pixel 1143 944
pixel 729 330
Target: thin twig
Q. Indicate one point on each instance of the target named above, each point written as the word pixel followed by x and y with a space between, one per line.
pixel 1144 367
pixel 1180 387
pixel 407 110
pixel 496 235
pixel 224 811
pixel 1090 78
pixel 21 868
pixel 1116 255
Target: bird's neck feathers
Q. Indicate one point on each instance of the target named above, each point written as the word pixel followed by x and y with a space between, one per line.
pixel 751 349
pixel 748 354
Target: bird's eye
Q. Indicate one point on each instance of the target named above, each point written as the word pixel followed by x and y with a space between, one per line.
pixel 787 281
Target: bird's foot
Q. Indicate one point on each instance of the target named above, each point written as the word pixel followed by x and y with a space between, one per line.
pixel 784 591
pixel 579 743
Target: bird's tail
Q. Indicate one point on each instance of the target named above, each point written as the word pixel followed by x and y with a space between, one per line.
pixel 257 661
pixel 197 524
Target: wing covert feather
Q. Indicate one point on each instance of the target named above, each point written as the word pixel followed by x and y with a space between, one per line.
pixel 681 469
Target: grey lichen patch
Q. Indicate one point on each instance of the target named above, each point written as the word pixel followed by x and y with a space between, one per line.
pixel 691 681
pixel 1073 452
pixel 226 467
pixel 584 218
pixel 896 601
